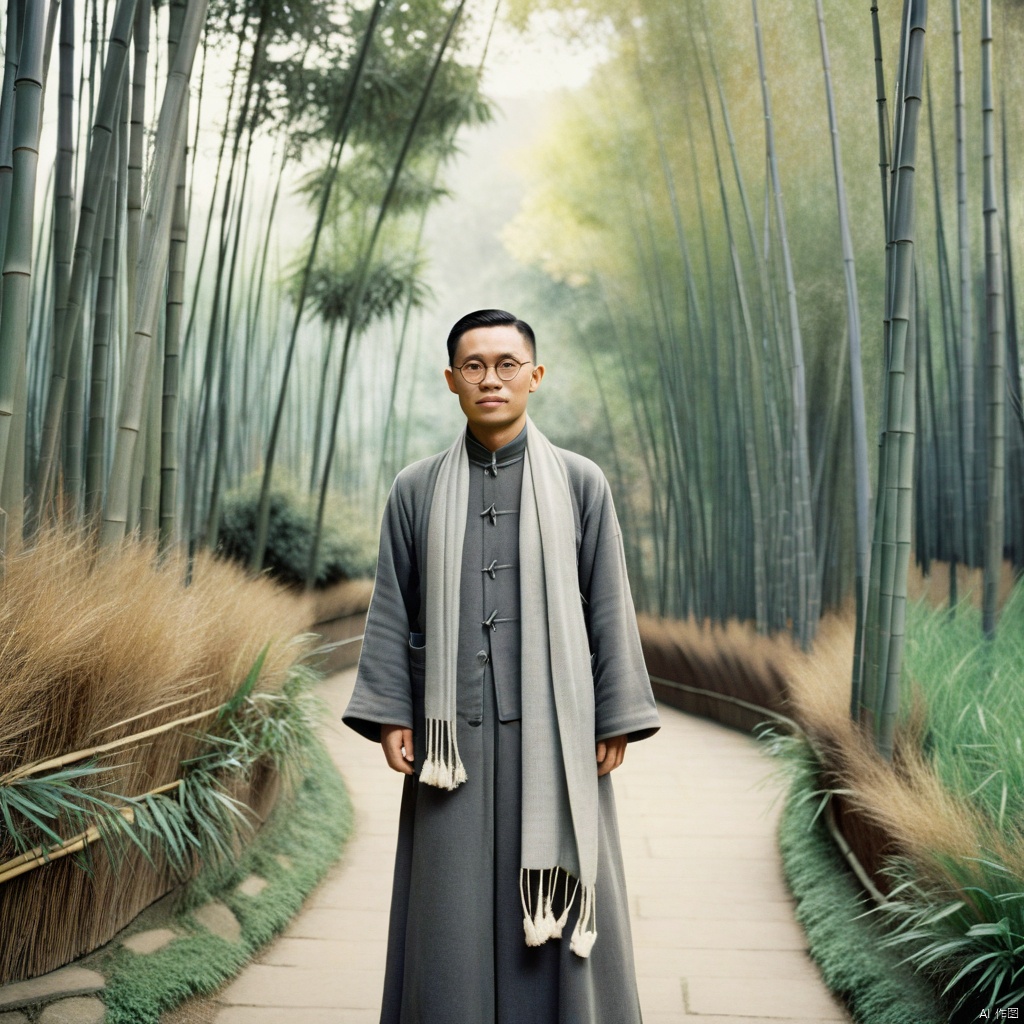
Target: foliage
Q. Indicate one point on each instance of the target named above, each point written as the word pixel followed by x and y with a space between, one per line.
pixel 951 800
pixel 308 826
pixel 968 936
pixel 346 553
pixel 975 716
pixel 964 917
pixel 845 942
pixel 200 820
pixel 646 201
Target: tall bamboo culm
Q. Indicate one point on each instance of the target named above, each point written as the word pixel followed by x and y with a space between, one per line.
pixel 891 541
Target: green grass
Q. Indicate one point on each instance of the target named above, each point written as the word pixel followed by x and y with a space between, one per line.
pixel 310 828
pixel 967 927
pixel 972 690
pixel 831 907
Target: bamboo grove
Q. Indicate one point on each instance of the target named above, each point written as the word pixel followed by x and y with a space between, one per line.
pixel 160 343
pixel 811 394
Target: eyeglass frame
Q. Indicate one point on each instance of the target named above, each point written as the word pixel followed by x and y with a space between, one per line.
pixel 494 367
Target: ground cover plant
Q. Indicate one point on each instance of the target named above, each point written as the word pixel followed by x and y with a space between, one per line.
pixel 845 940
pixel 302 838
pixel 131 705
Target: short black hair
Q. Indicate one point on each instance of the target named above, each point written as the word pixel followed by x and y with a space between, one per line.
pixel 489 318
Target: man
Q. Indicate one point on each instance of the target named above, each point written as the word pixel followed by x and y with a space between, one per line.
pixel 501 671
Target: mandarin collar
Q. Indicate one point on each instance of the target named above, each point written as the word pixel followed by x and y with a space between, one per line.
pixel 503 456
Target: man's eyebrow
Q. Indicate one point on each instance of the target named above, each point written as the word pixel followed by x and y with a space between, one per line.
pixel 504 355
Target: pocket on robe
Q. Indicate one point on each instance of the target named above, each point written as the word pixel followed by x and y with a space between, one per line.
pixel 418 668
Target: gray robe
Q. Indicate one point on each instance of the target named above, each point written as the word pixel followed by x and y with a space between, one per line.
pixel 456 950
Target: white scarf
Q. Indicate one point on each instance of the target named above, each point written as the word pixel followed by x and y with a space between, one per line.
pixel 560 801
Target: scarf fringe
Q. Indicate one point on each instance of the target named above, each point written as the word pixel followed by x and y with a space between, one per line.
pixel 539 921
pixel 442 766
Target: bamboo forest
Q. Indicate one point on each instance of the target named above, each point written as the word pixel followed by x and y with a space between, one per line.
pixel 771 251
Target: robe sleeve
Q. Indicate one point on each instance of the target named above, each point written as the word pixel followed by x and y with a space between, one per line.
pixel 623 700
pixel 383 688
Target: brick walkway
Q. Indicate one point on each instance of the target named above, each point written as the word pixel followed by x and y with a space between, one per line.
pixel 713 925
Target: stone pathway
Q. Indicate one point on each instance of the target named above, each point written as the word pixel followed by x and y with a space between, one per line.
pixel 713 926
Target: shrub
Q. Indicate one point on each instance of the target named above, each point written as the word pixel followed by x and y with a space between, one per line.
pixel 344 554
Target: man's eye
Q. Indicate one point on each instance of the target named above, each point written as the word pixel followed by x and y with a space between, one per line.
pixel 472 367
pixel 507 364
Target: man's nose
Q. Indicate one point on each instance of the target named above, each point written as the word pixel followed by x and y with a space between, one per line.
pixel 487 381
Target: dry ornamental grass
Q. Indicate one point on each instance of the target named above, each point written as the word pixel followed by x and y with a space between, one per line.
pixel 95 649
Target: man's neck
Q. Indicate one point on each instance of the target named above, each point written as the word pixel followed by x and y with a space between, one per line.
pixel 492 440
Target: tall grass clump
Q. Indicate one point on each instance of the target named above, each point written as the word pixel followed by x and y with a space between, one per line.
pixel 119 688
pixel 950 802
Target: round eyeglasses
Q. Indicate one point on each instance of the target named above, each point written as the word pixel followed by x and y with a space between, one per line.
pixel 474 370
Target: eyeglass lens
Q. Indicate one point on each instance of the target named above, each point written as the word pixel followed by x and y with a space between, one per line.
pixel 475 371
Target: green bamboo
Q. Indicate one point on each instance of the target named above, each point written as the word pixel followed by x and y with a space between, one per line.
pixel 894 516
pixel 882 111
pixel 170 138
pixel 91 197
pixel 1014 503
pixel 64 192
pixel 99 379
pixel 12 47
pixel 807 594
pixel 861 486
pixel 995 313
pixel 172 329
pixel 746 411
pixel 950 543
pixel 136 142
pixel 966 333
pixel 359 289
pixel 338 145
pixel 15 304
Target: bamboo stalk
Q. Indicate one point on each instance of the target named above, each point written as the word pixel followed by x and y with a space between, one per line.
pixel 808 600
pixel 92 194
pixel 891 541
pixel 15 292
pixel 966 332
pixel 862 487
pixel 12 47
pixel 103 748
pixel 995 313
pixel 358 291
pixel 42 855
pixel 171 131
pixel 338 144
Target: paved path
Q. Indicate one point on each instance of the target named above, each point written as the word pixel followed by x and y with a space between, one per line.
pixel 713 926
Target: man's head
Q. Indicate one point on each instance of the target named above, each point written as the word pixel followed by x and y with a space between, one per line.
pixel 492 368
pixel 489 318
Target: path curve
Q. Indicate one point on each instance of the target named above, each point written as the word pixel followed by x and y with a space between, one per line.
pixel 713 927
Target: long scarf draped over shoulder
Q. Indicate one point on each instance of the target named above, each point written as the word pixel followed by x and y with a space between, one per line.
pixel 560 799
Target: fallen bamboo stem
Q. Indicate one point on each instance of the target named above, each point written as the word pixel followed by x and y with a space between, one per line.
pixel 103 748
pixel 151 711
pixel 36 858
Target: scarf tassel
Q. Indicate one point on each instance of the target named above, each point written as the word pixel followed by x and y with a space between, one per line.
pixel 585 932
pixel 539 921
pixel 442 766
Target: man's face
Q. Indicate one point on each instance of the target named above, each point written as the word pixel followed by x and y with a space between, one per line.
pixel 493 404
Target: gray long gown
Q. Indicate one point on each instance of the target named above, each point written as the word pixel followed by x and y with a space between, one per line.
pixel 456 950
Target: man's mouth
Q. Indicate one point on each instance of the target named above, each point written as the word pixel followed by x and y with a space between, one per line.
pixel 491 401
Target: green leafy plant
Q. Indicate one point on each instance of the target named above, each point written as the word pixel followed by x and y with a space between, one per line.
pixel 969 935
pixel 197 817
pixel 290 535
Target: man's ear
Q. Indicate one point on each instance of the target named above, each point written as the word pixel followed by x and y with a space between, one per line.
pixel 536 377
pixel 449 375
